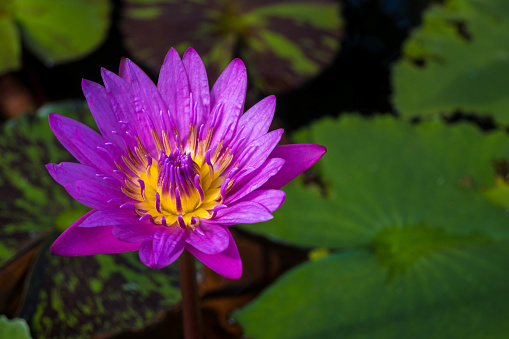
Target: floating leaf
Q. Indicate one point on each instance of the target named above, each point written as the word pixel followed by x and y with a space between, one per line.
pixel 462 46
pixel 51 29
pixel 283 43
pixel 32 201
pixel 421 249
pixel 387 173
pixel 9 58
pixel 14 329
pixel 71 297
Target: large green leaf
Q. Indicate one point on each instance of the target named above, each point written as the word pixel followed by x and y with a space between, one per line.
pixel 463 47
pixel 387 173
pixel 11 47
pixel 422 250
pixel 32 201
pixel 78 297
pixel 460 292
pixel 55 30
pixel 283 43
pixel 14 329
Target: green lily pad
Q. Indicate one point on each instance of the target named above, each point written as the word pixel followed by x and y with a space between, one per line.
pixel 11 49
pixel 456 293
pixel 78 297
pixel 421 246
pixel 386 173
pixel 14 329
pixel 55 30
pixel 32 199
pixel 284 43
pixel 465 58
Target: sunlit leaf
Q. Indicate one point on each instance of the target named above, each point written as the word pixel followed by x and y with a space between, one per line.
pixel 14 329
pixel 421 249
pixel 32 201
pixel 284 43
pixel 462 46
pixel 78 297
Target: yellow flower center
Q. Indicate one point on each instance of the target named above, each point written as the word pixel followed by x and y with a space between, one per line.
pixel 183 185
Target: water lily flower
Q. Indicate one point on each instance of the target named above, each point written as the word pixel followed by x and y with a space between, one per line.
pixel 173 165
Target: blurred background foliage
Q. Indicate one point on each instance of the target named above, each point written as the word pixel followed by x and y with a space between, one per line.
pixel 401 230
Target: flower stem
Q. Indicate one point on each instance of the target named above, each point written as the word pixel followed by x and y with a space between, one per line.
pixel 190 304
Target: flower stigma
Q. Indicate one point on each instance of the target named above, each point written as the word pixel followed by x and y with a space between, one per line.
pixel 181 184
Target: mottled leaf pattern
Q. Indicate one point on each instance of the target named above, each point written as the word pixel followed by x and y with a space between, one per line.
pixel 78 297
pixel 32 200
pixel 283 43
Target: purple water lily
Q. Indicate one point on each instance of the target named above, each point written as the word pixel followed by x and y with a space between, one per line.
pixel 173 165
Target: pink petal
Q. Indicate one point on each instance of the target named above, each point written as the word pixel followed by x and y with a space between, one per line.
pixel 298 158
pixel 248 183
pixel 70 172
pixel 246 212
pixel 164 248
pixel 174 88
pixel 226 263
pixel 100 108
pixel 270 199
pixel 211 240
pixel 81 141
pixel 198 84
pixel 86 241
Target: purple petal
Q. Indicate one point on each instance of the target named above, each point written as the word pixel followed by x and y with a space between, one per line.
pixel 82 142
pixel 164 248
pixel 70 172
pixel 257 151
pixel 228 102
pixel 174 88
pixel 235 69
pixel 123 72
pixel 86 241
pixel 270 199
pixel 100 108
pixel 256 121
pixel 113 217
pixel 198 84
pixel 298 158
pixel 95 195
pixel 214 238
pixel 254 179
pixel 119 95
pixel 142 231
pixel 247 212
pixel 226 263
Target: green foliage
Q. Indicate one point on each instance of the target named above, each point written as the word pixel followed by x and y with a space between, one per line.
pixel 51 29
pixel 14 329
pixel 463 45
pixel 282 43
pixel 32 200
pixel 420 246
pixel 71 297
